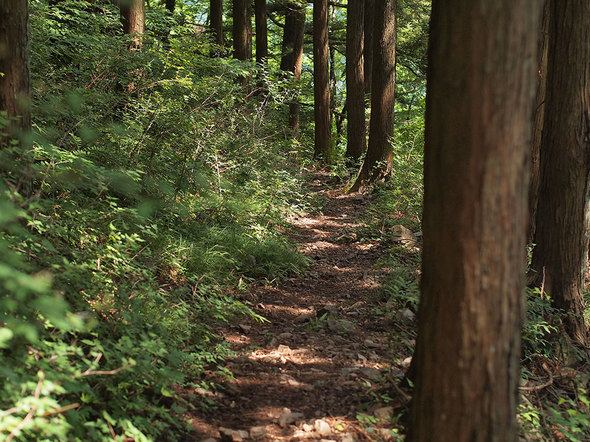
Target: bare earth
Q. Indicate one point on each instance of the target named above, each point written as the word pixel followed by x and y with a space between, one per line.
pixel 322 367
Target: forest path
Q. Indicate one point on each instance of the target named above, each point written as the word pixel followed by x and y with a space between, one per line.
pixel 324 359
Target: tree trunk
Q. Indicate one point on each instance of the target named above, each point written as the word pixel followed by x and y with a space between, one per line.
pixel 321 85
pixel 261 32
pixel 538 117
pixel 355 80
pixel 478 121
pixel 242 29
pixel 378 161
pixel 171 5
pixel 561 253
pixel 288 38
pixel 216 24
pixel 133 20
pixel 299 32
pixel 15 84
pixel 368 44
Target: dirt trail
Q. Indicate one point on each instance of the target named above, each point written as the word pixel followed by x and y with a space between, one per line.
pixel 323 357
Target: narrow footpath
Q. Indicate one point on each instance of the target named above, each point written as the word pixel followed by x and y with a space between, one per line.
pixel 323 367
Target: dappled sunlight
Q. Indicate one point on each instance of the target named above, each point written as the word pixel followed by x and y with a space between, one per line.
pixel 322 358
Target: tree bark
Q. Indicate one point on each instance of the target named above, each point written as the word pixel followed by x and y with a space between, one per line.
pixel 216 24
pixel 378 161
pixel 299 32
pixel 560 256
pixel 133 20
pixel 15 84
pixel 368 44
pixel 242 29
pixel 261 31
pixel 355 80
pixel 321 85
pixel 538 117
pixel 478 121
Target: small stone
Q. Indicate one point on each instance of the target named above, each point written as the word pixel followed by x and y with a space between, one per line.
pixel 370 373
pixel 307 428
pixel 407 362
pixel 285 335
pixel 402 234
pixel 239 435
pixel 288 418
pixel 341 326
pixel 346 438
pixel 258 433
pixel 244 327
pixel 384 413
pixel 226 431
pixel 406 315
pixel 322 427
pixel 370 344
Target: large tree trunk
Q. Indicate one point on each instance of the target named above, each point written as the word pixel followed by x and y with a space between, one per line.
pixel 368 44
pixel 561 237
pixel 538 117
pixel 478 122
pixel 15 85
pixel 216 24
pixel 242 29
pixel 133 20
pixel 378 161
pixel 321 85
pixel 355 80
pixel 261 31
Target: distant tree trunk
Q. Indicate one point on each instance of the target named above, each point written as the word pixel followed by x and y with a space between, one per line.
pixel 538 117
pixel 368 45
pixel 133 20
pixel 560 256
pixel 478 121
pixel 15 84
pixel 242 29
pixel 321 85
pixel 299 32
pixel 288 38
pixel 261 31
pixel 171 5
pixel 378 161
pixel 216 24
pixel 355 80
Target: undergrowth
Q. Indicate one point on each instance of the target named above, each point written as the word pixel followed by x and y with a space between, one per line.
pixel 154 191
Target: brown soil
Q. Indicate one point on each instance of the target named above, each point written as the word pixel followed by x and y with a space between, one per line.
pixel 323 352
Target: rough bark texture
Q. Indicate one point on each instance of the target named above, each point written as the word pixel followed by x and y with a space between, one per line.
pixel 378 161
pixel 561 238
pixel 15 86
pixel 133 19
pixel 355 80
pixel 261 31
pixel 482 61
pixel 321 86
pixel 538 117
pixel 242 29
pixel 216 21
pixel 368 45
